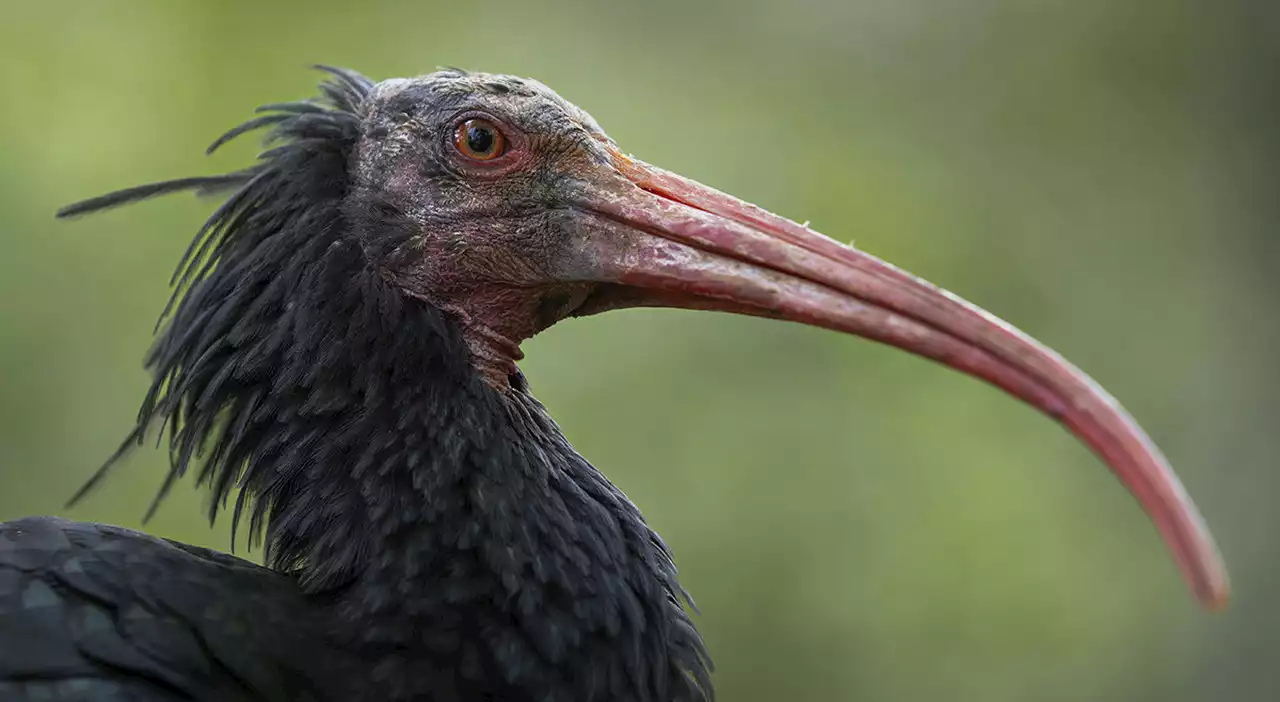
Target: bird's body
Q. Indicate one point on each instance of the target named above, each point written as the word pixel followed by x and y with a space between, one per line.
pixel 340 360
pixel 94 612
pixel 464 587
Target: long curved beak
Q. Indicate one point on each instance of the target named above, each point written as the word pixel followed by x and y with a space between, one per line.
pixel 658 239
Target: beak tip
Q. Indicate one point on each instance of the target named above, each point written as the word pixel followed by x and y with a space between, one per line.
pixel 1218 594
pixel 1208 578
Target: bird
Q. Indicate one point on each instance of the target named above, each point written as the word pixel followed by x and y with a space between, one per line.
pixel 337 365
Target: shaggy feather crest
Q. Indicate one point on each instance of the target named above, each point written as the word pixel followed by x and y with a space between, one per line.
pixel 225 288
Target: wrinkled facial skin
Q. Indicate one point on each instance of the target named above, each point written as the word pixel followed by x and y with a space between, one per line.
pixel 487 241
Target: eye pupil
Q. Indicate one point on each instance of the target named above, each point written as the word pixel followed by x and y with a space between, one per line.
pixel 480 138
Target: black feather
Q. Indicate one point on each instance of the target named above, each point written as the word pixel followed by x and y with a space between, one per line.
pixel 200 184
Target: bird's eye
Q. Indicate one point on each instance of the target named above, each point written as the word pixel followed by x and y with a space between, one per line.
pixel 479 139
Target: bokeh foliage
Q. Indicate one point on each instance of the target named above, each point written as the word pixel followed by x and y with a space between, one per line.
pixel 855 523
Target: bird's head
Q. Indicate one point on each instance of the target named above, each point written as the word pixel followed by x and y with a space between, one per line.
pixel 483 194
pixel 510 209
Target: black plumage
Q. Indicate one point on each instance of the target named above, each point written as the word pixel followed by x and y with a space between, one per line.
pixel 427 537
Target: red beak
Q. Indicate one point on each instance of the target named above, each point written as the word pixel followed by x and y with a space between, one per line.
pixel 657 239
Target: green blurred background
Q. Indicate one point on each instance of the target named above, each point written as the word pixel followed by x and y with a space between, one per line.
pixel 855 523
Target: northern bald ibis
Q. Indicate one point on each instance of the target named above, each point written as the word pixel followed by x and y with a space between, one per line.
pixel 340 357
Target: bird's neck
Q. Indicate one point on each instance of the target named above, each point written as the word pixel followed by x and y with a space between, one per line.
pixel 508 548
pixel 453 522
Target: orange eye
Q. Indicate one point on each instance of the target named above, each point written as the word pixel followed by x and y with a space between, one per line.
pixel 479 139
